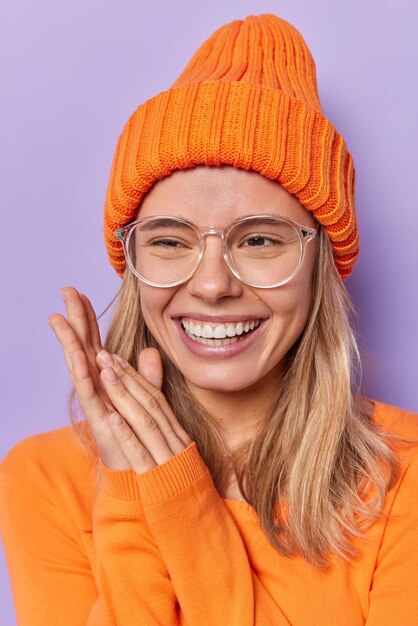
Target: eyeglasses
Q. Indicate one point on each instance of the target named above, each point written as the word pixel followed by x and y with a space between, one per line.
pixel 262 251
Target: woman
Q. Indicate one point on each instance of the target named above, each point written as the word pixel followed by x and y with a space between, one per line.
pixel 228 469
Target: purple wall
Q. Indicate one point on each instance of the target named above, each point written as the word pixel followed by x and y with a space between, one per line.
pixel 73 74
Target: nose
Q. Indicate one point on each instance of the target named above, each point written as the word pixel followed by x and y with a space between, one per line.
pixel 213 279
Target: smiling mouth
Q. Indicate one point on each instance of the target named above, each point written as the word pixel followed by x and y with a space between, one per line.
pixel 217 335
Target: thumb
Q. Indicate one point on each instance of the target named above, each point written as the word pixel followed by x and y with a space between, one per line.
pixel 150 366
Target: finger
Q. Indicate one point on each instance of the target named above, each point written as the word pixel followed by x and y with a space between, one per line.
pixel 83 321
pixel 150 366
pixel 95 343
pixel 70 343
pixel 145 390
pixel 137 454
pixel 77 315
pixel 140 416
pixel 65 335
pixel 96 414
pixel 94 406
pixel 94 331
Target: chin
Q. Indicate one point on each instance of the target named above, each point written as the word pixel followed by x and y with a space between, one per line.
pixel 220 380
pixel 217 386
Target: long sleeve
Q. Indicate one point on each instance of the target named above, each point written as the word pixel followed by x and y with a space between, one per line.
pixel 202 546
pixel 169 532
pixel 393 594
pixel 156 549
pixel 75 560
pixel 134 586
pixel 50 575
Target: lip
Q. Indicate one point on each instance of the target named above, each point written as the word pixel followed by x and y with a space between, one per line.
pixel 222 352
pixel 218 318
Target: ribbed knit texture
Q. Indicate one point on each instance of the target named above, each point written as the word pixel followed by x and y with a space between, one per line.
pixel 247 98
pixel 120 484
pixel 172 477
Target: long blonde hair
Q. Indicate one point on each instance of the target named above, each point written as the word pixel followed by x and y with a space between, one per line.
pixel 318 456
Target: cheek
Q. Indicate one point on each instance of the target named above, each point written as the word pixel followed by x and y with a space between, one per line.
pixel 300 296
pixel 295 296
pixel 290 307
pixel 153 302
pixel 304 299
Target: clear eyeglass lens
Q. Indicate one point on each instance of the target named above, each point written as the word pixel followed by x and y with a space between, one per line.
pixel 263 251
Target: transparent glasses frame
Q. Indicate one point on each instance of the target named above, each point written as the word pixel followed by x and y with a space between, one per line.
pixel 306 234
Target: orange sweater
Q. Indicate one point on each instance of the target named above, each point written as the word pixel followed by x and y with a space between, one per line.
pixel 165 549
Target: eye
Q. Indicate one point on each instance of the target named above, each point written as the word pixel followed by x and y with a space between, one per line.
pixel 259 241
pixel 169 243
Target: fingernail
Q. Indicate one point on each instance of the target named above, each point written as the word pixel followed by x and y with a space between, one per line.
pixel 105 357
pixel 111 375
pixel 62 294
pixel 121 361
pixel 116 419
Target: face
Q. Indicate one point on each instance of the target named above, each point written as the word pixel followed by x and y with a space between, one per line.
pixel 215 197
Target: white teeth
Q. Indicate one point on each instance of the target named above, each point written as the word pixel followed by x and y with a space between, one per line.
pixel 220 331
pixel 230 330
pixel 219 334
pixel 214 342
pixel 207 331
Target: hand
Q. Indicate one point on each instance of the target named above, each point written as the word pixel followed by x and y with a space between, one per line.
pixel 118 446
pixel 143 423
pixel 80 337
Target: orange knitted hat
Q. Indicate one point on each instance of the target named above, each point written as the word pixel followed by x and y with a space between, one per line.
pixel 247 98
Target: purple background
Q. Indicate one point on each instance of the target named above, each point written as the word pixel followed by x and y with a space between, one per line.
pixel 74 72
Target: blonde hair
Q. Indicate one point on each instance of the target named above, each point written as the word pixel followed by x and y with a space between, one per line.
pixel 318 455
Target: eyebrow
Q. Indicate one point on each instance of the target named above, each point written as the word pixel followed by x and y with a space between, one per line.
pixel 169 223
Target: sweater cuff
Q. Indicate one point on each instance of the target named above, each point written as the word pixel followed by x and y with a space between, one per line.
pixel 119 484
pixel 172 477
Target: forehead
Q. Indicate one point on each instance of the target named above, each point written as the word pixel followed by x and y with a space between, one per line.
pixel 216 196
